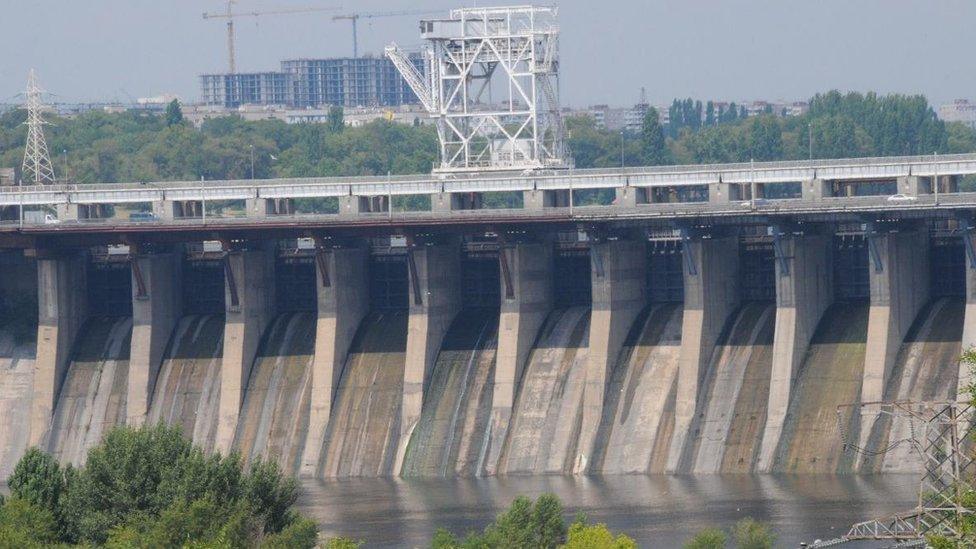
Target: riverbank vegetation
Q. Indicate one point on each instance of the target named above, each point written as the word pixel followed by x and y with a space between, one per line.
pixel 100 147
pixel 538 525
pixel 149 487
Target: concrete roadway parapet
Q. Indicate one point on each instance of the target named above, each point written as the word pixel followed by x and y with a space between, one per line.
pixel 526 292
pixel 343 301
pixel 62 308
pixel 435 299
pixel 711 295
pixel 156 306
pixel 249 295
pixel 804 290
pixel 618 275
pixel 899 278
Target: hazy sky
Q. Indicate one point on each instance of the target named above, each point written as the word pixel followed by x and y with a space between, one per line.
pixel 730 49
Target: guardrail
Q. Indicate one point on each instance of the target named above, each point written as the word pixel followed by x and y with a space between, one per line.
pixel 652 176
pixel 658 211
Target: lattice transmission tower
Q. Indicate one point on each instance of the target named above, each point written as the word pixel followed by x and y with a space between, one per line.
pixel 490 80
pixel 941 434
pixel 37 168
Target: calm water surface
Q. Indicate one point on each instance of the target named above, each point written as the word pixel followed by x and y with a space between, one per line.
pixel 658 511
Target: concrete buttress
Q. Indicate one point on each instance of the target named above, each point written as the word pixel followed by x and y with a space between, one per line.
pixel 804 290
pixel 249 297
pixel 526 291
pixel 618 280
pixel 899 277
pixel 711 295
pixel 435 299
pixel 969 324
pixel 156 306
pixel 62 308
pixel 343 301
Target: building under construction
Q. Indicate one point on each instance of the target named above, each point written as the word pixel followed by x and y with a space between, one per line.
pixel 313 83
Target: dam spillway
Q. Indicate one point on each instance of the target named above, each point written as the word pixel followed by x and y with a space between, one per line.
pixel 704 350
pixel 188 387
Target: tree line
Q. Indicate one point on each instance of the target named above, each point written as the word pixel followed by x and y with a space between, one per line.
pixel 100 147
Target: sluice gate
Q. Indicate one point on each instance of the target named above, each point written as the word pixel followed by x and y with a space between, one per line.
pixel 665 271
pixel 109 285
pixel 851 275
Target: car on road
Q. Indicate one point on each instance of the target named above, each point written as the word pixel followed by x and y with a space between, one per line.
pixel 901 198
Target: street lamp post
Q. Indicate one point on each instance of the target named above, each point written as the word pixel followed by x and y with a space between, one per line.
pixel 252 161
pixel 621 148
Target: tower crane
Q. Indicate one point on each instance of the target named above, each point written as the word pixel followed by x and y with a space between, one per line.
pixel 230 14
pixel 355 17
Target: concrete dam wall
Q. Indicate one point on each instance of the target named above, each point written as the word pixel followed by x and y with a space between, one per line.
pixel 716 352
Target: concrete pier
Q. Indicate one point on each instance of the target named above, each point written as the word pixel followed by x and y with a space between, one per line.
pixel 249 297
pixel 618 274
pixel 156 307
pixel 343 301
pixel 62 308
pixel 814 189
pixel 804 290
pixel 526 292
pixel 969 324
pixel 711 295
pixel 435 299
pixel 899 278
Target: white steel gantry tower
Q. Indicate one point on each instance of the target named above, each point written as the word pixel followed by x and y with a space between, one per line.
pixel 492 87
pixel 37 168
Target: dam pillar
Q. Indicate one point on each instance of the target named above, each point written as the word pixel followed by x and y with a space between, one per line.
pixel 435 298
pixel 711 295
pixel 156 307
pixel 803 292
pixel 343 301
pixel 969 322
pixel 899 282
pixel 814 189
pixel 62 308
pixel 526 291
pixel 618 274
pixel 249 297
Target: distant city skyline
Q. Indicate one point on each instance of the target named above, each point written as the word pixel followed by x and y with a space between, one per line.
pixel 733 50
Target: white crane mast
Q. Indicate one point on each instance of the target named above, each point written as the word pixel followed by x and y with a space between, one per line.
pixel 492 87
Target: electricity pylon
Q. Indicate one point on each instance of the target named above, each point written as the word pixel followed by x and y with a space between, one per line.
pixel 37 168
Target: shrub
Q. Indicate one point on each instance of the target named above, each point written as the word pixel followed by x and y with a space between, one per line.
pixel 709 538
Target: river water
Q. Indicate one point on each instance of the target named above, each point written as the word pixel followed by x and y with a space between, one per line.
pixel 656 510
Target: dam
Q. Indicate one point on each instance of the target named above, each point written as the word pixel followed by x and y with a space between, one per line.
pixel 662 333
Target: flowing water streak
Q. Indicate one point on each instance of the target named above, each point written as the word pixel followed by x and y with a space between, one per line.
pixel 187 392
pixel 450 437
pixel 16 383
pixel 544 433
pixel 361 439
pixel 830 376
pixel 926 369
pixel 736 393
pixel 93 394
pixel 634 414
pixel 274 417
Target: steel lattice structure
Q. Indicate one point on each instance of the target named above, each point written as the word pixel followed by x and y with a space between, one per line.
pixel 37 168
pixel 939 433
pixel 492 86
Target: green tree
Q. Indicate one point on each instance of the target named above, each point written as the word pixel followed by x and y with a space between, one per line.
pixel 709 538
pixel 751 534
pixel 336 121
pixel 174 114
pixel 149 487
pixel 598 536
pixel 654 150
